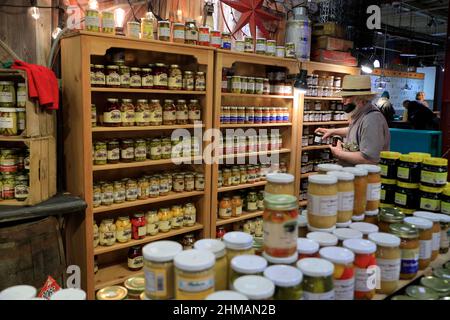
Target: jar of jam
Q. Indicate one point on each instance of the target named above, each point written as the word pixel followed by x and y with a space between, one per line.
pixel 113 152
pixel 406 197
pixel 147 78
pixel 142 113
pixel 164 30
pixel 112 116
pixel 100 77
pixel 124 72
pixel 138 226
pixel 178 34
pixel 203 36
pixel 97 195
pixel 434 172
pixel 430 199
pixel 409 247
pixel 388 164
pixel 127 113
pixel 160 76
pixel 216 39
pixel 100 153
pixel 169 112
pixel 266 86
pixel 182 114
pixel 127 150
pixel 136 78
pixel 408 168
pixel 225 208
pixel 220 232
pixel 200 81
pixel 194 113
pixel 112 77
pixel 191 32
pixel 389 216
pixel 175 78
pixel 135 258
pixel 188 81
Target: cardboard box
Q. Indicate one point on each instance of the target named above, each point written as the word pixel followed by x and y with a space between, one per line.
pixel 333 44
pixel 328 29
pixel 334 57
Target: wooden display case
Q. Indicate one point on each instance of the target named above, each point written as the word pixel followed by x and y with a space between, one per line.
pixel 79 50
pixel 254 65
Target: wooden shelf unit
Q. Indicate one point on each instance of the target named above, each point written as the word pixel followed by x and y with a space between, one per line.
pixel 78 51
pixel 253 65
pixel 319 147
pixel 325 123
pixel 244 216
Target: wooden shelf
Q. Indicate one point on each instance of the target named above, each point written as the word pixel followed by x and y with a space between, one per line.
pixel 323 98
pixel 325 146
pixel 114 275
pixel 255 125
pixel 302 203
pixel 242 186
pixel 306 175
pixel 12 203
pixel 244 216
pixel 245 95
pixel 137 203
pixel 20 138
pixel 162 235
pixel 149 91
pixel 146 128
pixel 325 123
pixel 147 163
pixel 249 154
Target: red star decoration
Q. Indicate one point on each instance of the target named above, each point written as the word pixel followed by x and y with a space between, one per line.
pixel 252 14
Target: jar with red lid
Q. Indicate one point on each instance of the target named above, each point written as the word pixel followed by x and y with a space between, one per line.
pixel 135 258
pixel 203 36
pixel 112 116
pixel 220 232
pixel 215 39
pixel 138 226
pixel 160 76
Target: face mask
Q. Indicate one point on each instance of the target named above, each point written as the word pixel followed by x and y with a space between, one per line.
pixel 349 107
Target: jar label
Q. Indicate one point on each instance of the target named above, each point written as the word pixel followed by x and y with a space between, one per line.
pixel 322 205
pixel 400 199
pixel 154 116
pixel 6 122
pixel 160 80
pixel 156 281
pixel 384 170
pixel 430 204
pixel 119 196
pixel 163 32
pixel 444 242
pixel 203 37
pixel 252 206
pixel 107 197
pixel 236 85
pixel 191 35
pixel 113 79
pixel 112 116
pixel 436 240
pixel 124 234
pixel 100 78
pixel 191 285
pixel 170 115
pixel 147 30
pixel 114 154
pixel 6 97
pixel 383 195
pixel 330 295
pixel 225 212
pixel 373 191
pixel 142 231
pixel 403 173
pixel 100 155
pixel 433 177
pixel 425 249
pixel 344 289
pixel 136 263
pixel 280 239
pixel 182 115
pixel 216 41
pixel 188 83
pixel 108 23
pixel 389 269
pixel 155 151
pixel 21 191
pixel 127 153
pixel 346 200
pixel 194 115
pixel 21 97
pixel 178 34
pixel 140 152
pixel 410 261
pixel 362 279
pixel 445 207
pixel 147 81
pixel 176 82
pixel 224 84
pixel 200 84
pixel 127 116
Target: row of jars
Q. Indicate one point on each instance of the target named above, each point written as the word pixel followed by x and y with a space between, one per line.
pixel 232 114
pixel 144 224
pixel 243 144
pixel 324 81
pixel 148 186
pixel 322 106
pixel 248 174
pixel 14 186
pixel 13 160
pixel 313 165
pixel 322 116
pixel 318 91
pixel 231 206
pixel 132 150
pixel 316 155
pixel 315 139
pixel 143 113
pixel 155 76
pixel 249 85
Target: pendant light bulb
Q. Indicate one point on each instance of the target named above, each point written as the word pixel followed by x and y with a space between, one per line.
pixel 119 17
pixel 93 5
pixel 376 64
pixel 366 69
pixel 35 13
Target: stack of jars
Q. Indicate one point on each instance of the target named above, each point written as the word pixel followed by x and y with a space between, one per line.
pixel 251 143
pixel 148 186
pixel 241 115
pixel 233 205
pixel 14 173
pixel 154 76
pixel 247 174
pixel 143 113
pixel 323 116
pixel 12 108
pixel 265 47
pixel 323 86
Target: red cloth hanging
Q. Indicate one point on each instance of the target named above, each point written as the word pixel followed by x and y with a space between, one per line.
pixel 42 84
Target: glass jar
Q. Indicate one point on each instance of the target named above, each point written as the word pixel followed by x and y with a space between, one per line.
pixel 373 186
pixel 160 76
pixel 135 258
pixel 436 230
pixel 165 216
pixel 434 172
pixel 430 199
pixel 409 247
pixel 147 78
pixel 136 78
pixel 169 112
pixel 147 23
pixel 119 192
pixel 408 168
pixel 225 208
pixel 159 269
pixel 188 81
pixel 107 232
pixel 164 30
pixel 21 188
pixel 317 279
pixel 139 228
pixel 97 195
pixel 251 202
pixel 100 153
pixel 279 183
pixel 178 183
pixel 236 84
pixel 220 267
pixel 307 248
pixel 194 274
pixel 124 72
pixel 237 243
pixel 388 164
pixel 388 257
pixel 255 287
pixel 387 193
pixel 153 187
pixel 96 236
pixel 166 148
pixel 389 216
pixel 143 188
pixel 112 116
pixel 112 77
pixel 322 201
pixel 189 182
pixel 425 239
pixel 8 186
pixel 191 32
pixel 131 190
pixel 127 113
pixel 177 219
pixel 152 219
pixel 406 197
pixel 143 113
pixel 250 85
pixel 200 81
pixel 236 206
pixel 182 113
pixel 178 34
pixel 245 265
pixel 107 194
pixel 226 41
pixel 194 111
pixel 175 81
pixel 361 181
pixel 365 267
pixel 113 151
pixel 346 195
pixel 140 150
pixel 123 229
pixel 190 215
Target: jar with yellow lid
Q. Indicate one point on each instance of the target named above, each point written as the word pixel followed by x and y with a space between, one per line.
pixel 373 186
pixel 445 200
pixel 421 155
pixel 430 198
pixel 112 293
pixel 436 230
pixel 434 172
pixel 279 183
pixel 346 195
pixel 359 206
pixel 217 247
pixel 159 269
pixel 237 243
pixel 388 257
pixel 388 164
pixel 387 193
pixel 409 247
pixel 406 197
pixel 408 168
pixel 194 274
pixel 322 201
pixel 388 216
pixel 135 286
pixel 425 239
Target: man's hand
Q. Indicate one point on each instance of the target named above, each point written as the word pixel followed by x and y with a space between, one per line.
pixel 337 151
pixel 326 132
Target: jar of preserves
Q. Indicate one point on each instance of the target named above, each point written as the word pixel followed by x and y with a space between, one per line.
pixel 143 113
pixel 139 228
pixel 164 30
pixel 194 113
pixel 389 216
pixel 225 208
pixel 200 81
pixel 226 177
pixel 279 183
pixel 190 215
pixel 406 196
pixel 112 77
pixel 188 241
pixel 177 220
pixel 175 78
pixel 96 236
pixel 178 34
pixel 135 258
pixel 165 217
pixel 199 181
pixel 226 41
pixel 182 113
pixel 236 84
pixel 346 195
pixel 388 164
pixel 373 186
pixel 237 243
pixel 136 78
pixel 125 76
pixel 159 269
pixel 112 116
pixel 251 202
pixel 178 183
pixel 100 153
pixel 425 239
pixel 21 188
pixel 203 36
pixel 307 248
pixel 434 172
pixel 188 81
pixel 189 182
pixel 244 82
pixel 147 78
pixel 360 182
pixel 107 232
pixel 119 192
pixel 113 151
pixel 97 195
pixel 100 77
pixel 408 168
pixel 123 229
pixel 191 32
pixel 365 266
pixel 127 112
pixel 140 150
pixel 409 247
pixel 194 274
pixel 160 76
pixel 169 112
pixel 165 184
pixel 250 85
pixel 131 190
pixel 322 201
pixel 107 194
pixel 220 268
pixel 9 184
pixel 236 206
pixel 245 265
pixel 166 148
pixel 436 230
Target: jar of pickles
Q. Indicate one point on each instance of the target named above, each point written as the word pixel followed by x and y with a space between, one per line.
pixel 245 265
pixel 119 192
pixel 190 215
pixel 107 194
pixel 317 279
pixel 131 190
pixel 165 217
pixel 107 232
pixel 140 150
pixel 182 113
pixel 191 32
pixel 164 30
pixel 152 219
pixel 100 153
pixel 200 81
pixel 188 81
pixel 113 151
pixel 96 236
pixel 123 229
pixel 169 112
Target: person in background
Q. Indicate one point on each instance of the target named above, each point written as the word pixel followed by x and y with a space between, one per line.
pixel 368 132
pixel 405 112
pixel 420 97
pixel 385 106
pixel 419 116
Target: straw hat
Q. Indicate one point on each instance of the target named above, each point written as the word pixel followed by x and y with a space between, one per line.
pixel 356 86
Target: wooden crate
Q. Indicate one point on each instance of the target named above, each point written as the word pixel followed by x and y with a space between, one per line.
pixel 39 122
pixel 328 29
pixel 333 44
pixel 42 177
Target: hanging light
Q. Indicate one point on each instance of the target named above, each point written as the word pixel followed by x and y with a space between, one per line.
pixel 376 64
pixel 119 19
pixel 93 5
pixel 35 13
pixel 366 68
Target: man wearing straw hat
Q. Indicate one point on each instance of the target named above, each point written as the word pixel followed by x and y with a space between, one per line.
pixel 368 132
